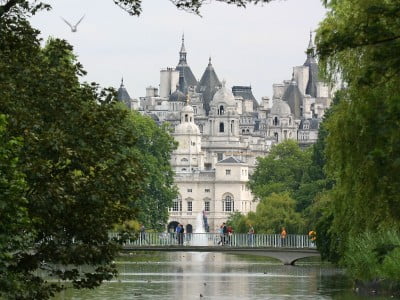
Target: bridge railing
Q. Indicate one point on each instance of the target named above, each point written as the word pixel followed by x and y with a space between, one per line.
pixel 239 240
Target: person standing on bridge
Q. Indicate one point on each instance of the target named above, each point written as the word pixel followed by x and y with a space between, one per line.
pixel 143 235
pixel 283 236
pixel 181 234
pixel 250 235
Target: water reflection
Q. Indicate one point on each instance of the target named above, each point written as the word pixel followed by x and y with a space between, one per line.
pixel 217 276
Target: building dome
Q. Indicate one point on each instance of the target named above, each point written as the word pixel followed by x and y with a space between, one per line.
pixel 187 109
pixel 187 128
pixel 177 96
pixel 280 108
pixel 224 95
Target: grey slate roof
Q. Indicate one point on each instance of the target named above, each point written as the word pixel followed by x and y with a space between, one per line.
pixel 185 72
pixel 246 93
pixel 294 98
pixel 230 160
pixel 177 96
pixel 312 65
pixel 122 94
pixel 313 124
pixel 208 85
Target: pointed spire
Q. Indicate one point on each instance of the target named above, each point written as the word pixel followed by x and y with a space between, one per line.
pixel 183 44
pixel 310 49
pixel 209 61
pixel 122 81
pixel 182 52
pixel 310 43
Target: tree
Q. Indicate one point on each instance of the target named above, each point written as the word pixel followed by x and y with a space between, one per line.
pixel 133 7
pixel 283 170
pixel 81 162
pixel 276 211
pixel 154 144
pixel 363 142
pixel 239 222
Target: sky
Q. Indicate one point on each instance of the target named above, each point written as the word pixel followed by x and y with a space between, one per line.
pixel 256 46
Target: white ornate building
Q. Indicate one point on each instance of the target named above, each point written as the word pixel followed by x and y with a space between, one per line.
pixel 222 131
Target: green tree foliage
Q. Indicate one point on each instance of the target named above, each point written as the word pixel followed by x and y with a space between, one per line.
pixel 154 146
pixel 373 256
pixel 276 211
pixel 15 224
pixel 238 222
pixel 83 164
pixel 363 142
pixel 133 7
pixel 283 170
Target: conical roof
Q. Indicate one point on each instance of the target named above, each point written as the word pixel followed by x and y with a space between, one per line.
pixel 122 94
pixel 312 65
pixel 294 98
pixel 184 70
pixel 208 85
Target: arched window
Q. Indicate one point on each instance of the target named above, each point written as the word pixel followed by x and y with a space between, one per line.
pixel 275 121
pixel 228 203
pixel 276 136
pixel 186 118
pixel 184 159
pixel 221 127
pixel 232 126
pixel 221 110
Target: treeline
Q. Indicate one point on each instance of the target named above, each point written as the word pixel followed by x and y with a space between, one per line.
pixel 74 164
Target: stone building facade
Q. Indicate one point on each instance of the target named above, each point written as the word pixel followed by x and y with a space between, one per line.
pixel 221 132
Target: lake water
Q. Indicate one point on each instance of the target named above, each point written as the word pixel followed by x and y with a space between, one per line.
pixel 219 276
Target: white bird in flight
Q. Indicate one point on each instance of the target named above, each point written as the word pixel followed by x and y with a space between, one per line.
pixel 73 27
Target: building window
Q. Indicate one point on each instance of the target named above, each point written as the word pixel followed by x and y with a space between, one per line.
pixel 177 205
pixel 227 204
pixel 207 190
pixel 227 172
pixel 206 205
pixel 221 110
pixel 189 206
pixel 195 109
pixel 221 127
pixel 189 190
pixel 275 121
pixel 220 156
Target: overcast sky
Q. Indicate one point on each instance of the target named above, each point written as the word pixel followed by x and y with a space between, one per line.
pixel 256 46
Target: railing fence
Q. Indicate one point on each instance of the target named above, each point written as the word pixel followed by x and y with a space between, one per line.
pixel 216 239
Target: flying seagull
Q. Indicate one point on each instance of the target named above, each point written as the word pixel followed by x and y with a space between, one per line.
pixel 73 27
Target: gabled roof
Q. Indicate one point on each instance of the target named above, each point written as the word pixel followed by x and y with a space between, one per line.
pixel 230 160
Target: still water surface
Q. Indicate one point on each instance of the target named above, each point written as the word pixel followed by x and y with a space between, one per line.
pixel 218 276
